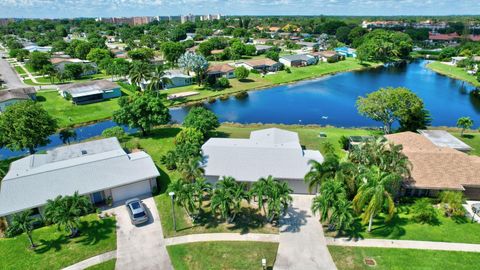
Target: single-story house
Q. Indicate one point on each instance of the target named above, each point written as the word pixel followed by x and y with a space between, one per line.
pixel 178 78
pixel 222 70
pixel 61 62
pixel 262 65
pixel 99 169
pixel 297 60
pixel 11 96
pixel 324 56
pixel 89 92
pixel 262 41
pixel 436 168
pixel 308 46
pixel 272 151
pixel 262 48
pixel 36 48
pixel 347 52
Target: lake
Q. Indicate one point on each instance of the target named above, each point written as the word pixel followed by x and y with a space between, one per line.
pixel 328 101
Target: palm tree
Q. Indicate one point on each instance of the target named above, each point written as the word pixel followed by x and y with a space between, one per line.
pixel 278 200
pixel 183 196
pixel 158 79
pixel 24 222
pixel 221 202
pixel 66 211
pixel 374 194
pixel 139 73
pixel 330 192
pixel 259 189
pixel 67 134
pixel 319 172
pixel 200 188
pixel 342 216
pixel 192 169
pixel 227 198
pixel 464 123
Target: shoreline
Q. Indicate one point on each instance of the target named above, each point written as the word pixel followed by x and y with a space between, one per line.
pixel 450 74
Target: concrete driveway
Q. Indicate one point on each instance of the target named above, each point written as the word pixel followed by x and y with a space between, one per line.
pixel 9 75
pixel 302 243
pixel 141 247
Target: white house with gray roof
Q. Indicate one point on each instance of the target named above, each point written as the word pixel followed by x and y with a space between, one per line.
pixel 297 60
pixel 99 169
pixel 272 151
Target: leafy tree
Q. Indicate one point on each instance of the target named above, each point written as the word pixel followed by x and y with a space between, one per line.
pixel 423 211
pixel 384 45
pixel 183 196
pixel 67 134
pixel 74 70
pixel 169 160
pixel 238 48
pixel 142 54
pixel 172 51
pixel 374 194
pixel 65 211
pixel 464 123
pixel 97 55
pixel 201 119
pixel 19 54
pixel 241 73
pixel 192 62
pixel 189 135
pixel 37 60
pixel 223 83
pixel 342 34
pixel 26 125
pixel 388 105
pixel 115 131
pixel 142 111
pixel 177 34
pixel 24 222
pixel 82 50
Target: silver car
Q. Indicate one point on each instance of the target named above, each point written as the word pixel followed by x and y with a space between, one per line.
pixel 137 211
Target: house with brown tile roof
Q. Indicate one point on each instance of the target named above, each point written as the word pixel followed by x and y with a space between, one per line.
pixel 262 65
pixel 436 168
pixel 222 70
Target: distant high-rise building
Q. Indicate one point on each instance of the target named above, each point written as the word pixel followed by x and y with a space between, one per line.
pixel 5 21
pixel 130 21
pixel 187 18
pixel 210 17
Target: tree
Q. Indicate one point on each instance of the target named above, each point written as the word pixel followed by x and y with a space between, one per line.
pixel 388 105
pixel 192 62
pixel 73 70
pixel 241 73
pixel 191 170
pixel 142 111
pixel 37 60
pixel 374 194
pixel 271 54
pixel 342 34
pixel 201 119
pixel 330 192
pixel 140 72
pixel 423 211
pixel 82 50
pixel 172 51
pixel 158 80
pixel 384 45
pixel 24 222
pixel 321 171
pixel 227 198
pixel 201 189
pixel 67 134
pixel 97 55
pixel 142 54
pixel 464 123
pixel 115 131
pixel 26 125
pixel 342 216
pixel 278 199
pixel 189 135
pixel 65 211
pixel 453 201
pixel 183 196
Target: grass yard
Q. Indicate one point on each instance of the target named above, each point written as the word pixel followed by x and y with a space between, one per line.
pixel 68 113
pixel 46 80
pixel 55 250
pixel 222 255
pixel 108 265
pixel 20 70
pixel 453 72
pixel 352 258
pixel 402 227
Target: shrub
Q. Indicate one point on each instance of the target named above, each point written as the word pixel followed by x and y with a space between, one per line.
pixel 189 135
pixel 452 201
pixel 241 95
pixel 344 142
pixel 12 232
pixel 241 73
pixel 423 211
pixel 288 70
pixel 169 160
pixel 223 83
pixel 332 60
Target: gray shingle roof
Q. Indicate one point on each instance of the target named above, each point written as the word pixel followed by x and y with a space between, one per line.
pixel 17 93
pixel 272 151
pixel 87 88
pixel 32 180
pixel 296 57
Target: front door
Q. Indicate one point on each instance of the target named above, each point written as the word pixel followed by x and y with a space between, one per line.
pixel 98 197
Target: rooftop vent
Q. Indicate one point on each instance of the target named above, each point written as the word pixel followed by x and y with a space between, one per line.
pixel 84 152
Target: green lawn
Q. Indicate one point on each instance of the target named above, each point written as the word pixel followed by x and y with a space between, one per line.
pixel 453 72
pixel 352 258
pixel 402 227
pixel 46 80
pixel 68 113
pixel 55 250
pixel 20 70
pixel 108 265
pixel 222 255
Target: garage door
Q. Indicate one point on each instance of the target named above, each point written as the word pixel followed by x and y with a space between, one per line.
pixel 298 186
pixel 131 191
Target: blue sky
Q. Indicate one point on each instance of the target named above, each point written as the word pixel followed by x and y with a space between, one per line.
pixel 108 8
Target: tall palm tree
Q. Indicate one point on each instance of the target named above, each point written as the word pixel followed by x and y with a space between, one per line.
pixel 66 211
pixel 222 202
pixel 24 222
pixel 140 72
pixel 278 200
pixel 260 190
pixel 158 79
pixel 320 171
pixel 183 196
pixel 374 194
pixel 192 169
pixel 200 188
pixel 342 216
pixel 330 192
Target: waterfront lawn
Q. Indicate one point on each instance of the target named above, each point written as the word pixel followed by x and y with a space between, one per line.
pixel 472 138
pixel 68 113
pixel 55 250
pixel 453 72
pixel 222 255
pixel 402 227
pixel 352 258
pixel 108 265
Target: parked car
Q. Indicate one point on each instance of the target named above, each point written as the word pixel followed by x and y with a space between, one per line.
pixel 136 210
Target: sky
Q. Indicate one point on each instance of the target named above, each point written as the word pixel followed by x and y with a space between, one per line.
pixel 129 8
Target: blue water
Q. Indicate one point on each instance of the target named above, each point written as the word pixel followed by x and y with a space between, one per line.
pixel 327 101
pixel 331 100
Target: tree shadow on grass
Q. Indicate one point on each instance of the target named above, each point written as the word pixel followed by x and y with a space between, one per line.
pixel 95 231
pixel 55 244
pixel 248 219
pixel 40 99
pixel 246 80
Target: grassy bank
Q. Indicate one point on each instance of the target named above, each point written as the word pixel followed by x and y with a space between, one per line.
pixel 453 72
pixel 108 265
pixel 55 250
pixel 222 255
pixel 352 258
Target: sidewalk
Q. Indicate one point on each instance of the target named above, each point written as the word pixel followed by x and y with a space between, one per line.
pixel 383 243
pixel 93 261
pixel 208 237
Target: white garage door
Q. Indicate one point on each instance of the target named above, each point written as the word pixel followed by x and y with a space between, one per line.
pixel 298 186
pixel 131 191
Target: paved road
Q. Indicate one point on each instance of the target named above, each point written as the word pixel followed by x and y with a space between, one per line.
pixel 302 243
pixel 207 237
pixel 93 261
pixel 383 243
pixel 141 247
pixel 9 75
